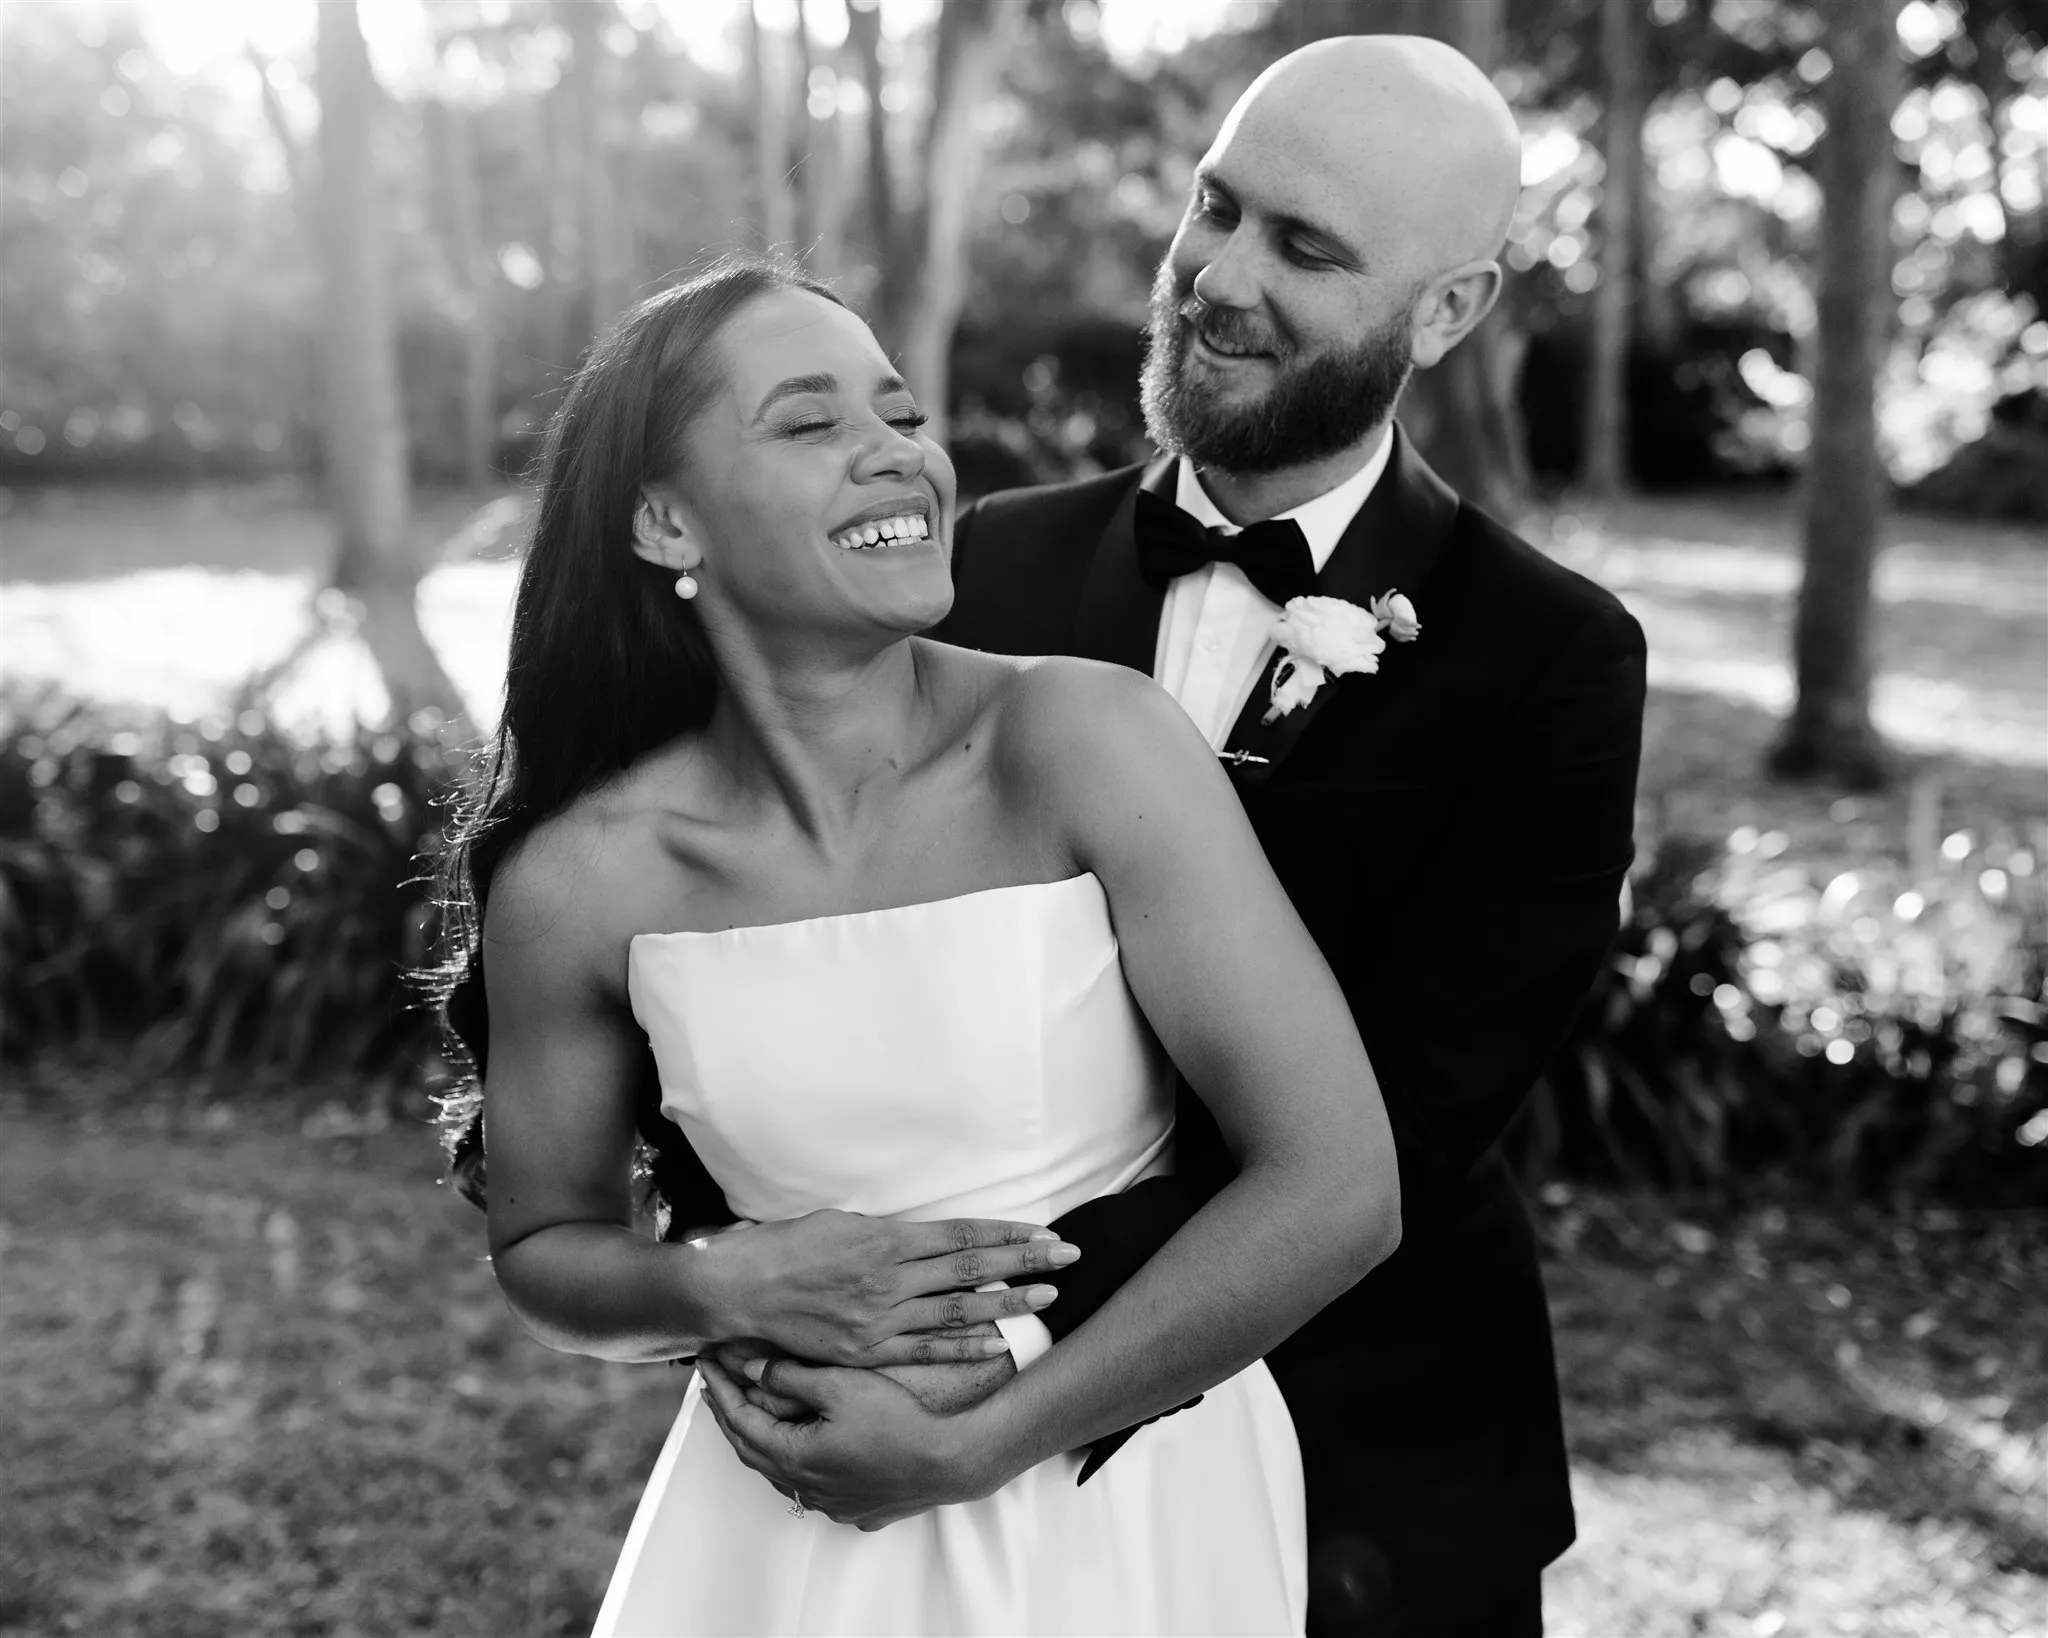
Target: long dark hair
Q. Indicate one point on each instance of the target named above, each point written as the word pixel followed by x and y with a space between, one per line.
pixel 606 663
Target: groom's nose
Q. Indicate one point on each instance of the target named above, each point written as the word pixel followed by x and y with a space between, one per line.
pixel 1229 278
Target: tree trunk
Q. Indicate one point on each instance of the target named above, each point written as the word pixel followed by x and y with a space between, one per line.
pixel 877 232
pixel 973 35
pixel 476 276
pixel 771 138
pixel 1659 316
pixel 1462 412
pixel 602 282
pixel 803 182
pixel 1830 732
pixel 822 183
pixel 1605 473
pixel 367 485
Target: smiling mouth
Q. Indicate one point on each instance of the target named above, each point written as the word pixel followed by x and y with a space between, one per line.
pixel 882 533
pixel 1222 347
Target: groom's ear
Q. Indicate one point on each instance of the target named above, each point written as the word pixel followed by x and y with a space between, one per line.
pixel 1448 309
pixel 664 533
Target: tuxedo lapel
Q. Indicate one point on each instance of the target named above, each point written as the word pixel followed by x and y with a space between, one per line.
pixel 1118 618
pixel 1392 545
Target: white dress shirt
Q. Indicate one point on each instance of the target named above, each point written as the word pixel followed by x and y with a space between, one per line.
pixel 1216 629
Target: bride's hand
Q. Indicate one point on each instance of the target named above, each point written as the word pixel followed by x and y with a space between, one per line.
pixel 843 1289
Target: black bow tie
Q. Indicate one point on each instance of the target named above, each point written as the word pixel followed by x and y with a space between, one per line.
pixel 1274 555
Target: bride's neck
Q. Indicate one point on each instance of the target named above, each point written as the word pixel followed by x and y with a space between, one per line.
pixel 818 736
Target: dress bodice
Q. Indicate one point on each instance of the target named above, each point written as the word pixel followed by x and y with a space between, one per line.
pixel 971 1056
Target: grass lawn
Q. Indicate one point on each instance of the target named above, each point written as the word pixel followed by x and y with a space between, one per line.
pixel 260 1382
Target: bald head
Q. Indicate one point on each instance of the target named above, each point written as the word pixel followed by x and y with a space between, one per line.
pixel 1341 232
pixel 1402 134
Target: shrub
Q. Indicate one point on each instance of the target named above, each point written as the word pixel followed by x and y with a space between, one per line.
pixel 1873 1034
pixel 218 895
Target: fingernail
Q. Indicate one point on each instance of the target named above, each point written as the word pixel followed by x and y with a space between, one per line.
pixel 1039 1295
pixel 755 1369
pixel 993 1346
pixel 1063 1254
pixel 1043 1234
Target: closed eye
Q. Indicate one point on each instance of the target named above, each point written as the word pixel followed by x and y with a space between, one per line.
pixel 905 421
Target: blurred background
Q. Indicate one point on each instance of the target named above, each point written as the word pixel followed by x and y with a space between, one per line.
pixel 287 292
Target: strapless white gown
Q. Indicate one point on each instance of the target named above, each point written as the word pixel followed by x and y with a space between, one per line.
pixel 977 1056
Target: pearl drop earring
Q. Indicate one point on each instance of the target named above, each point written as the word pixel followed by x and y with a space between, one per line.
pixel 686 586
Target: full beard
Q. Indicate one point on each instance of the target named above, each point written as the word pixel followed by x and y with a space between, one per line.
pixel 1315 408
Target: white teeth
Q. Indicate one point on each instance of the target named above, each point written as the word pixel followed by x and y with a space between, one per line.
pixel 867 536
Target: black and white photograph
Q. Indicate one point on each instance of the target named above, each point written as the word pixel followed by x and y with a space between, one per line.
pixel 1024 818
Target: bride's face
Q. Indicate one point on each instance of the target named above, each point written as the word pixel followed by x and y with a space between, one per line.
pixel 817 499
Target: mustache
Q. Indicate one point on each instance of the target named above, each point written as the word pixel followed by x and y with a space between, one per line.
pixel 1238 331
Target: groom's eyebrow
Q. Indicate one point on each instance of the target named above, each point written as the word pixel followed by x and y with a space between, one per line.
pixel 1288 223
pixel 1285 221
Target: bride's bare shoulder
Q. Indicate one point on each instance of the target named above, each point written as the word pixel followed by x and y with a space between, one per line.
pixel 1060 716
pixel 572 888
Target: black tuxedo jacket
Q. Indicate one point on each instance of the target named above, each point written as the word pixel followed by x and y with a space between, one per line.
pixel 1454 830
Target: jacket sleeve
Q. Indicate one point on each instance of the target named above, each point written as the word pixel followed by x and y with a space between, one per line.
pixel 1524 898
pixel 1523 905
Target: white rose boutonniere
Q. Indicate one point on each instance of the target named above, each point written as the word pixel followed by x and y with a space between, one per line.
pixel 1324 637
pixel 1397 614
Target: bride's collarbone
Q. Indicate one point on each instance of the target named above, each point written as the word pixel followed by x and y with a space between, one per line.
pixel 726 876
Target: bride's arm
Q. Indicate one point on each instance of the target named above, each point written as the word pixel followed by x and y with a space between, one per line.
pixel 1122 785
pixel 1250 1013
pixel 566 1068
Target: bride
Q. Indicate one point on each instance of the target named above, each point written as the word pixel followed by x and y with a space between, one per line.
pixel 917 937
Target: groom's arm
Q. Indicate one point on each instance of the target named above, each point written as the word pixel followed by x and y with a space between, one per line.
pixel 1523 909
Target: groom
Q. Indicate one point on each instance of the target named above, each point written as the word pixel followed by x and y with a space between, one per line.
pixel 1453 828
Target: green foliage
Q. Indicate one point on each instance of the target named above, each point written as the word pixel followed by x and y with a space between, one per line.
pixel 160 250
pixel 2003 474
pixel 220 895
pixel 1881 1035
pixel 227 899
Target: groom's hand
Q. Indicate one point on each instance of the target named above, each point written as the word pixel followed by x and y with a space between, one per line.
pixel 941 1388
pixel 869 1453
pixel 945 1389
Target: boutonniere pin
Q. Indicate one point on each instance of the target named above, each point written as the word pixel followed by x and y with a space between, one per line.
pixel 1325 637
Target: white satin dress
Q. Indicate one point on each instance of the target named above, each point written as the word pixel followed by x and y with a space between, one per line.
pixel 977 1056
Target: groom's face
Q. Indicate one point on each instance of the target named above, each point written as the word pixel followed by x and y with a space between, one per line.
pixel 1281 317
